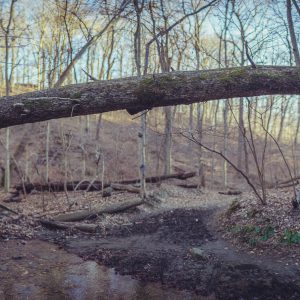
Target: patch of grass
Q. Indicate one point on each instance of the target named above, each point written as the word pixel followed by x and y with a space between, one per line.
pixel 253 242
pixel 253 234
pixel 291 237
pixel 267 232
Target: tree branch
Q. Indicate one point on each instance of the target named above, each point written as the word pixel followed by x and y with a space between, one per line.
pixel 192 139
pixel 164 32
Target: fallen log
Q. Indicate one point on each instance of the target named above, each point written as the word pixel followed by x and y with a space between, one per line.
pixel 283 186
pixel 61 186
pixel 8 209
pixel 230 193
pixel 87 214
pixel 145 92
pixel 89 228
pixel 54 225
pixel 291 180
pixel 155 179
pixel 188 185
pixel 125 187
pixel 14 196
pixel 96 185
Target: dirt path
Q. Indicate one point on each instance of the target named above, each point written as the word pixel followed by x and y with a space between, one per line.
pixel 181 248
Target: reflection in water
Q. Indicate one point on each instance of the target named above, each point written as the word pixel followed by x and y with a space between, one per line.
pixel 97 283
pixel 39 270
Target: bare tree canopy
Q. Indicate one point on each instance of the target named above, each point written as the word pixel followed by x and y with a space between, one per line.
pixel 157 90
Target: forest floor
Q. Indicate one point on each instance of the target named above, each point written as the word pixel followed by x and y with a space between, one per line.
pixel 197 240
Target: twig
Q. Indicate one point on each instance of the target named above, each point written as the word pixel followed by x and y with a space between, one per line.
pixel 230 162
pixel 253 65
pixel 282 155
pixel 89 75
pixel 143 113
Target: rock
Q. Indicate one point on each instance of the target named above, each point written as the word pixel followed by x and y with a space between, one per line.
pixel 198 253
pixel 107 192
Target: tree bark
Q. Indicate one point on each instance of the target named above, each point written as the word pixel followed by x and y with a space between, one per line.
pixel 137 94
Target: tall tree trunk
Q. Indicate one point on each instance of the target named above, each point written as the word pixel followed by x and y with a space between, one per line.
pixel 6 31
pixel 292 32
pixel 295 52
pixel 48 131
pixel 200 114
pixel 225 145
pixel 98 127
pixel 168 140
pixel 7 161
pixel 191 118
pixel 284 109
pixel 298 123
pixel 241 129
pixel 143 124
pixel 213 163
pixel 226 104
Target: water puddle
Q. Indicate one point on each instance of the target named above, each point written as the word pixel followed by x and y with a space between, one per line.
pixel 39 270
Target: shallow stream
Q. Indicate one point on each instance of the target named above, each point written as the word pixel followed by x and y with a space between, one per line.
pixel 39 270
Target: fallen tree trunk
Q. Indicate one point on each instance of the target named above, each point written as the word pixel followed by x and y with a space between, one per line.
pixel 89 228
pixel 61 186
pixel 139 93
pixel 291 180
pixel 8 209
pixel 54 225
pixel 155 179
pixel 97 185
pixel 125 187
pixel 283 186
pixel 189 185
pixel 110 209
pixel 230 193
pixel 14 196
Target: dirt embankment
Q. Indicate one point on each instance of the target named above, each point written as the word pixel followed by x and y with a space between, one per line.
pixel 181 249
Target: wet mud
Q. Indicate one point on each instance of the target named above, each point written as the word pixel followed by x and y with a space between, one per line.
pixel 181 249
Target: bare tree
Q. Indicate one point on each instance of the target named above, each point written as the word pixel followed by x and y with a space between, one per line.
pixel 6 29
pixel 142 133
pixel 214 151
pixel 91 41
pixel 292 32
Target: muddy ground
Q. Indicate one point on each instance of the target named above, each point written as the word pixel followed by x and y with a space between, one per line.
pixel 38 270
pixel 177 242
pixel 182 248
